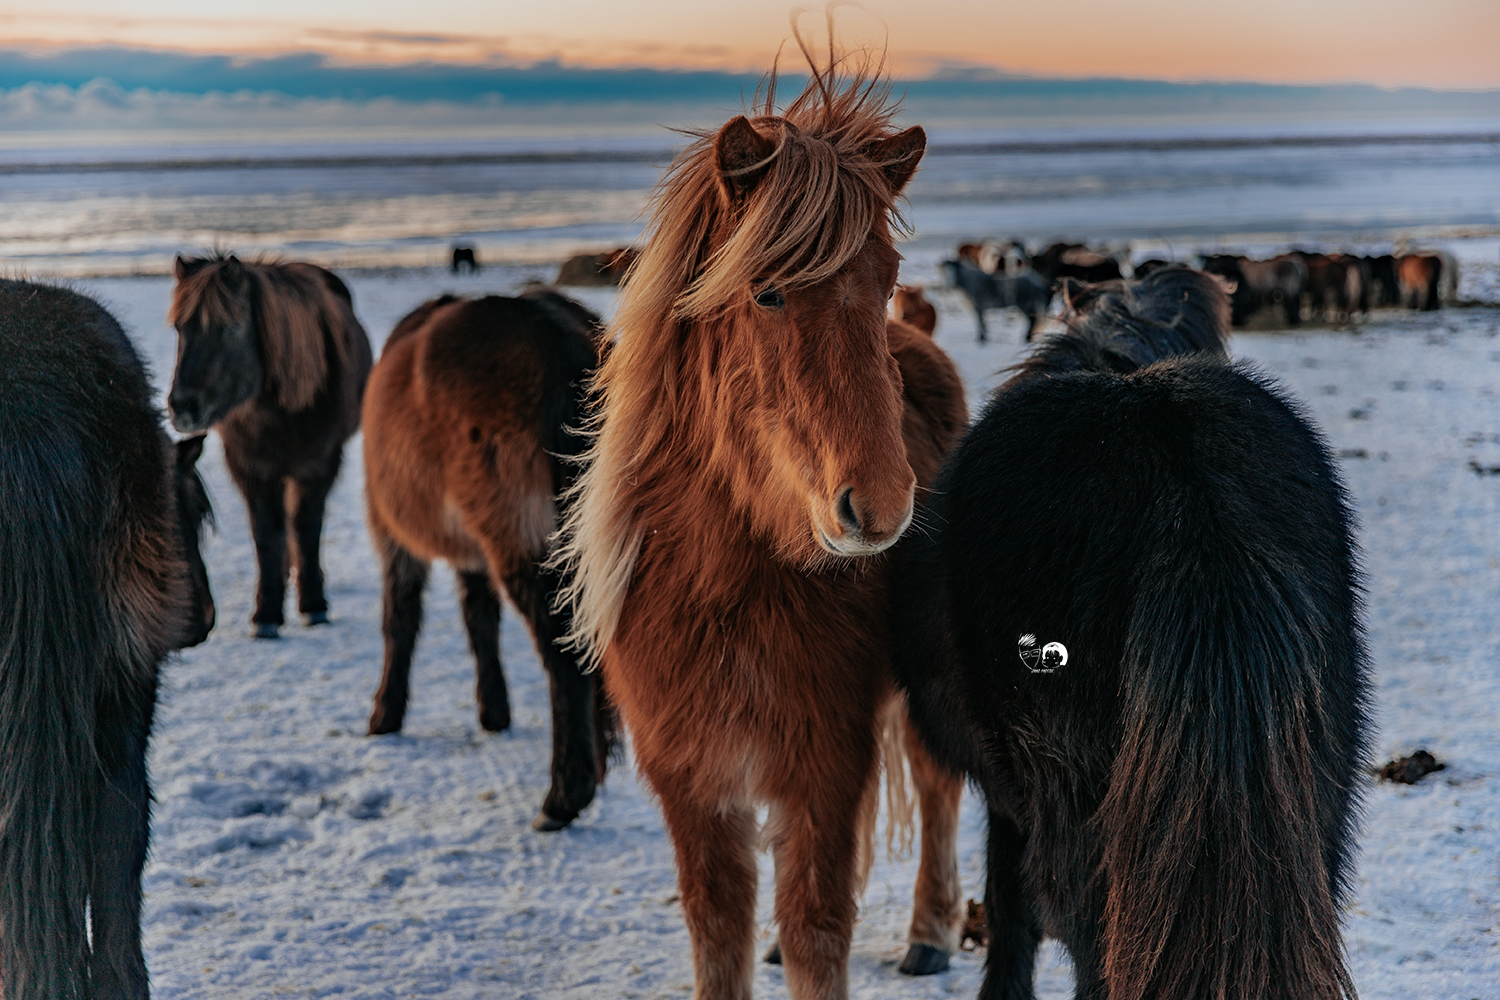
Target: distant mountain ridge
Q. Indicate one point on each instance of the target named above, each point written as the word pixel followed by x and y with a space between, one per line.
pixel 312 76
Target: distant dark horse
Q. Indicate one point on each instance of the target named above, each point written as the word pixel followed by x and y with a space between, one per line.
pixel 100 578
pixel 1137 631
pixel 464 259
pixel 469 421
pixel 272 355
pixel 1023 291
pixel 1074 260
pixel 1261 284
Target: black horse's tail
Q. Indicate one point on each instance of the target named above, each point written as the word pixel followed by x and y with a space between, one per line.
pixel 51 607
pixel 1216 830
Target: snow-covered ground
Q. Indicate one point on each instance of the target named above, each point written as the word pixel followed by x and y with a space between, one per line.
pixel 294 856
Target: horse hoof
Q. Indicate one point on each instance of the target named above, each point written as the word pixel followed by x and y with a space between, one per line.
pixel 923 960
pixel 548 824
pixel 773 957
pixel 381 726
pixel 316 618
pixel 494 722
pixel 266 630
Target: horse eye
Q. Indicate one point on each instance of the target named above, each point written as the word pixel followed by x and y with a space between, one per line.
pixel 770 298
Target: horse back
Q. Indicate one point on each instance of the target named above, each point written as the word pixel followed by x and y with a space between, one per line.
pixel 467 414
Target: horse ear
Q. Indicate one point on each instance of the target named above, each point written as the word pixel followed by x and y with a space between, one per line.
pixel 233 271
pixel 1071 289
pixel 899 155
pixel 742 155
pixel 184 267
pixel 1229 285
pixel 188 451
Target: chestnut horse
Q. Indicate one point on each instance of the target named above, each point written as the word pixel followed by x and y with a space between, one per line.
pixel 759 423
pixel 272 356
pixel 467 425
pixel 911 307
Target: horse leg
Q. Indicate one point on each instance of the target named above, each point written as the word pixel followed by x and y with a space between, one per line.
pixel 937 917
pixel 1015 933
pixel 575 764
pixel 983 333
pixel 306 502
pixel 481 607
pixel 404 577
pixel 716 878
pixel 121 830
pixel 816 849
pixel 267 501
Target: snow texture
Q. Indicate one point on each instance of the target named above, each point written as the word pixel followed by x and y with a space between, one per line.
pixel 294 856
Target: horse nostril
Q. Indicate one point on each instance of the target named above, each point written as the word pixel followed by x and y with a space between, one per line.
pixel 847 517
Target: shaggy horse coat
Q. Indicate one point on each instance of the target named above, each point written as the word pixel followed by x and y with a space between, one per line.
pixel 1137 631
pixel 911 307
pixel 470 421
pixel 99 579
pixel 760 433
pixel 272 356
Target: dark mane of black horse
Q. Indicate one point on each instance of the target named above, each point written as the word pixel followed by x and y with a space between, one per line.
pixel 1171 792
pixel 99 579
pixel 272 356
pixel 1119 326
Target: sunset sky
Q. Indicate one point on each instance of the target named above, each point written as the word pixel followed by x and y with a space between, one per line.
pixel 1434 43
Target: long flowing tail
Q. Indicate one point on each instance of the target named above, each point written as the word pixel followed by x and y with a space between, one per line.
pixel 1225 822
pixel 50 614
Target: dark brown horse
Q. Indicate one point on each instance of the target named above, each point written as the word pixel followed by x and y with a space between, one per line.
pixel 761 434
pixel 469 420
pixel 100 578
pixel 1074 260
pixel 606 268
pixel 272 356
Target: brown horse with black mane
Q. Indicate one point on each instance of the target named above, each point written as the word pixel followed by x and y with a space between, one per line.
pixel 272 356
pixel 759 423
pixel 468 427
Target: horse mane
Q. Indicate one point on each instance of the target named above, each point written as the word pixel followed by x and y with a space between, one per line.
pixel 1120 326
pixel 819 196
pixel 299 310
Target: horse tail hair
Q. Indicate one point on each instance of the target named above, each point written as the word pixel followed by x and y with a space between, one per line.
pixel 1222 841
pixel 892 779
pixel 51 645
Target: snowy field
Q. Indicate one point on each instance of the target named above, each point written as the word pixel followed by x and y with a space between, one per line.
pixel 294 856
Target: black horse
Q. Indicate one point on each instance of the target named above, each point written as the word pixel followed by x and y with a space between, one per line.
pixel 464 259
pixel 1023 291
pixel 1136 629
pixel 100 578
pixel 1076 261
pixel 272 356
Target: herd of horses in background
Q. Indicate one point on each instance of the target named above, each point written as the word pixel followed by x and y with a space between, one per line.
pixel 1289 288
pixel 710 504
